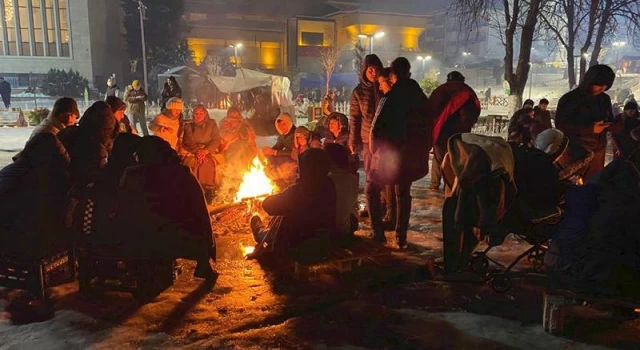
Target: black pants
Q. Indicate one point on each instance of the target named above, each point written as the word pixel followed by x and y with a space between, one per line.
pixel 140 118
pixel 403 204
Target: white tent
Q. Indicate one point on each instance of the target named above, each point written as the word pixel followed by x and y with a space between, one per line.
pixel 247 79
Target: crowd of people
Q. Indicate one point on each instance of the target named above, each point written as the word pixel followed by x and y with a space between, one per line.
pixel 95 178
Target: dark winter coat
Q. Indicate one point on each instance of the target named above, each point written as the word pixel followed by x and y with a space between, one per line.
pixel 362 109
pixel 542 117
pixel 169 93
pixel 313 141
pixel 403 126
pixel 308 206
pixel 284 143
pixel 578 110
pixel 32 198
pixel 342 138
pixel 136 100
pixel 621 131
pixel 5 92
pixel 456 108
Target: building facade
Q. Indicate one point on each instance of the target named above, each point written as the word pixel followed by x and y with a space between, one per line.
pixel 38 35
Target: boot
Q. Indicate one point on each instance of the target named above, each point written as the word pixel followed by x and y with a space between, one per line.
pixel 372 192
pixel 404 214
pixel 389 220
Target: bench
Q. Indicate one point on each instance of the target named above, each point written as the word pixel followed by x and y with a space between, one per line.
pixel 36 274
pixel 342 259
pixel 556 301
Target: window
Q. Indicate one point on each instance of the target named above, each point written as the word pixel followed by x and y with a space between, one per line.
pixel 64 28
pixel 312 39
pixel 23 15
pixel 37 28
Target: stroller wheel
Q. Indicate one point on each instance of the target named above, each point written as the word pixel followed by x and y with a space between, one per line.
pixel 480 264
pixel 500 283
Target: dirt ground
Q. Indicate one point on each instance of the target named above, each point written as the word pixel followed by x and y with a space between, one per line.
pixel 258 306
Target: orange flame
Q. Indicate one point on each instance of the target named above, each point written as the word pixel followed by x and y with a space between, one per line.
pixel 255 183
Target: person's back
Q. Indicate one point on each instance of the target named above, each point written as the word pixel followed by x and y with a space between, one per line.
pixel 347 188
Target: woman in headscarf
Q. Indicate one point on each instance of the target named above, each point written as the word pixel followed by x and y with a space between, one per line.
pixel 279 165
pixel 201 141
pixel 170 90
pixel 171 219
pixel 584 114
pixel 238 142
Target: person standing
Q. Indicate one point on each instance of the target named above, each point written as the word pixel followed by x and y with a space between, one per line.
pixel 5 92
pixel 136 97
pixel 584 114
pixel 400 142
pixel 542 115
pixel 328 103
pixel 456 108
pixel 168 124
pixel 170 90
pixel 112 88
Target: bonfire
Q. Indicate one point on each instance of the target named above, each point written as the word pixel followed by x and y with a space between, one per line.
pixel 255 183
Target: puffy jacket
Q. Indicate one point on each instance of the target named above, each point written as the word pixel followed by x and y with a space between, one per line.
pixel 362 110
pixel 167 128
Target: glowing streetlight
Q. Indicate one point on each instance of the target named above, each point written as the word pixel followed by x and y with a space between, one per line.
pixel 618 45
pixel 424 59
pixel 235 52
pixel 465 55
pixel 377 35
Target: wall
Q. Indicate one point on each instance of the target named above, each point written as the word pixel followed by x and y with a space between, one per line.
pixel 108 51
pixel 80 59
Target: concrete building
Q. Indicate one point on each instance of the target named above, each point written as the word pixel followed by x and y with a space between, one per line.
pixel 38 35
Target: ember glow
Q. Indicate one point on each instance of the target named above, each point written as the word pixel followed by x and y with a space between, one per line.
pixel 246 250
pixel 255 183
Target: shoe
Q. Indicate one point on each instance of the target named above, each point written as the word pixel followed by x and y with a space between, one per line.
pixel 204 270
pixel 255 224
pixel 402 243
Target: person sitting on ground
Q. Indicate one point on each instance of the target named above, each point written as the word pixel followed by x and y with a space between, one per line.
pixel 338 130
pixel 201 141
pixel 302 141
pixel 542 115
pixel 119 108
pixel 347 188
pixel 168 124
pixel 301 215
pixel 522 126
pixel 163 208
pixel 279 165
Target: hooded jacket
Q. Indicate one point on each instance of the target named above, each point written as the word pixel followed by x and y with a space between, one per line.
pixel 343 136
pixel 286 130
pixel 313 141
pixel 363 104
pixel 578 109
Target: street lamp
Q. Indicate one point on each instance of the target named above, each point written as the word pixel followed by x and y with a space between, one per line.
pixel 377 35
pixel 464 61
pixel 424 59
pixel 142 8
pixel 235 52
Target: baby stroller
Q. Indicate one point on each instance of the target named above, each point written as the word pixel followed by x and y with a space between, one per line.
pixel 498 189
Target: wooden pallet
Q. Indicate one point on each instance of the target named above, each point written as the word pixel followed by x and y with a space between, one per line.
pixel 342 260
pixel 556 301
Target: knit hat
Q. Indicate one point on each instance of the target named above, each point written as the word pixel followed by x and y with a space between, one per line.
pixel 175 103
pixel 115 103
pixel 135 83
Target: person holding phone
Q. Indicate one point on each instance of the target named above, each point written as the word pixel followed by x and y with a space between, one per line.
pixel 584 114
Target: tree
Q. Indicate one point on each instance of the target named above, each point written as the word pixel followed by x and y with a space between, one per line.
pixel 59 82
pixel 328 60
pixel 513 20
pixel 429 82
pixel 358 55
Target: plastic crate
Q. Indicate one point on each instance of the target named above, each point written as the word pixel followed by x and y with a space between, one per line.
pixel 35 275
